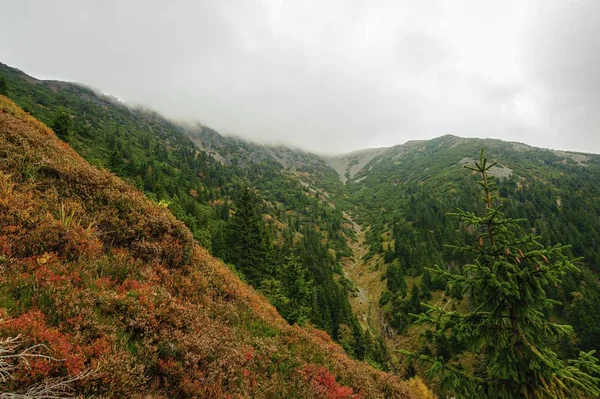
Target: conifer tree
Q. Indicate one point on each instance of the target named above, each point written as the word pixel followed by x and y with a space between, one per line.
pixel 62 125
pixel 3 86
pixel 396 283
pixel 299 289
pixel 507 326
pixel 414 301
pixel 248 242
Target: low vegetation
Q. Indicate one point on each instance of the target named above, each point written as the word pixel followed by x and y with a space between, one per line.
pixel 108 281
pixel 214 192
pixel 407 194
pixel 506 328
pixel 112 275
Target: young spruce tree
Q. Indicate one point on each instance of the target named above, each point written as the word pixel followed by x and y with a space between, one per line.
pixel 507 327
pixel 62 125
pixel 248 243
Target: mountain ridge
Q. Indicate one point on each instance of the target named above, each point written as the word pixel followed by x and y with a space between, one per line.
pixel 380 215
pixel 211 136
pixel 172 304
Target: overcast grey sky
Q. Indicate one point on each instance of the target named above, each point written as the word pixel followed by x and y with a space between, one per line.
pixel 330 76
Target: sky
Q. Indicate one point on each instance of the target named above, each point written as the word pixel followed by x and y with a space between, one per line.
pixel 330 76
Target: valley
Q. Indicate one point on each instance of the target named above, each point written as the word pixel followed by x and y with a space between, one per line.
pixel 364 299
pixel 334 251
pixel 109 295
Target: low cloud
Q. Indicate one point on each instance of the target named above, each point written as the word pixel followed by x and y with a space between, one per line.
pixel 330 76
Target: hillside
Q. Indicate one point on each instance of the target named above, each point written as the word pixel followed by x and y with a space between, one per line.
pixel 108 280
pixel 231 150
pixel 205 179
pixel 401 199
pixel 348 165
pixel 338 242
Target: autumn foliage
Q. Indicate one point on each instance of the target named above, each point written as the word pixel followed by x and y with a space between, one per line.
pixel 107 280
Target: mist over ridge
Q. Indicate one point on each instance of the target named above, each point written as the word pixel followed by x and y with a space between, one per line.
pixel 331 75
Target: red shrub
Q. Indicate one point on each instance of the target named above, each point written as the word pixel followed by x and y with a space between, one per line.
pixel 32 326
pixel 325 385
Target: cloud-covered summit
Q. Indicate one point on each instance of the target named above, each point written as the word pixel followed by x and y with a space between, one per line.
pixel 331 76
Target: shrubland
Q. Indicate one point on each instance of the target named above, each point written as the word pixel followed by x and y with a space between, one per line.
pixel 111 283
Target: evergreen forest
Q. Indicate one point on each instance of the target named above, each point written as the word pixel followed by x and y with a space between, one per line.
pixel 433 267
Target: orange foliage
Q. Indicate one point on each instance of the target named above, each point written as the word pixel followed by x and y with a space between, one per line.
pixel 32 325
pixel 123 287
pixel 325 384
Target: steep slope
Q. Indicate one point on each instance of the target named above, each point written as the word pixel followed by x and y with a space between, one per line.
pixel 432 171
pixel 112 282
pixel 313 172
pixel 401 199
pixel 348 165
pixel 364 224
pixel 201 177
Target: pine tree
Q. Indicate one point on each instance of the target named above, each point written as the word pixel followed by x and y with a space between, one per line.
pixel 507 326
pixel 414 301
pixel 62 125
pixel 248 243
pixel 115 160
pixel 3 85
pixel 299 289
pixel 396 283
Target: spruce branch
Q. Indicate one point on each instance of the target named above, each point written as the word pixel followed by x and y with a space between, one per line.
pixel 507 327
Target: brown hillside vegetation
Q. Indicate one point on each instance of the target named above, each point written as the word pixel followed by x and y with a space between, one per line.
pixel 110 282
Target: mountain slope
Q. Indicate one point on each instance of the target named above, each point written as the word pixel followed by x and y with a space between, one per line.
pixel 347 165
pixel 108 280
pixel 431 173
pixel 402 197
pixel 201 177
pixel 364 225
pixel 311 171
